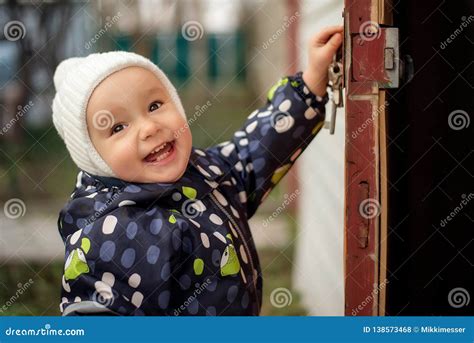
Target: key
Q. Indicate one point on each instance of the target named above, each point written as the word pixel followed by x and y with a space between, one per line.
pixel 335 79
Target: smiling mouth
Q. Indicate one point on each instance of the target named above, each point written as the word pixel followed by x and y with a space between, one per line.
pixel 160 153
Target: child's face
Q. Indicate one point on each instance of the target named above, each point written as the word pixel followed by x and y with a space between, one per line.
pixel 129 115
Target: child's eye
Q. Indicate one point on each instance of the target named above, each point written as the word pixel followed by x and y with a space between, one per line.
pixel 117 128
pixel 155 105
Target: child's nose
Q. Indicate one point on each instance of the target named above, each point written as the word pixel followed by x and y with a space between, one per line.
pixel 148 128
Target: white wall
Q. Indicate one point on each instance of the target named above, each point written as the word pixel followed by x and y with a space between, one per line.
pixel 318 273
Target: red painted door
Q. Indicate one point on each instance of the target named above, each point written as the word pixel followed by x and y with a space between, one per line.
pixel 370 55
pixel 409 157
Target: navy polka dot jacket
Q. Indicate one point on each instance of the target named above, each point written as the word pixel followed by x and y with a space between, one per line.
pixel 185 248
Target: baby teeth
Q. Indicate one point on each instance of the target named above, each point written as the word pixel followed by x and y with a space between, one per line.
pixel 162 155
pixel 159 158
pixel 159 148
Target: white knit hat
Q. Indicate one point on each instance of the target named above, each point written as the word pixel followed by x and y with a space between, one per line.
pixel 75 79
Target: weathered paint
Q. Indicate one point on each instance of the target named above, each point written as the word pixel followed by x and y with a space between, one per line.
pixel 363 69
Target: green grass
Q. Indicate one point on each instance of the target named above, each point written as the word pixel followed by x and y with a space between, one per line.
pixel 41 298
pixel 277 273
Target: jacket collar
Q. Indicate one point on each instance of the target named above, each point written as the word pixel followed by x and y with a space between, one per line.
pixel 200 165
pixel 201 177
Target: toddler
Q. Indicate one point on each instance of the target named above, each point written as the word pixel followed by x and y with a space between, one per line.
pixel 154 225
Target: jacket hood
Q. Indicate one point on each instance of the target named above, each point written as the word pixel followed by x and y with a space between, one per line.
pixel 110 192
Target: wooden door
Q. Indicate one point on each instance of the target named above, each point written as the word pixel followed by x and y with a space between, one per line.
pixel 409 156
pixel 370 57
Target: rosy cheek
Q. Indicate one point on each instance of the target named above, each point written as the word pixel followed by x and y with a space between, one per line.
pixel 123 154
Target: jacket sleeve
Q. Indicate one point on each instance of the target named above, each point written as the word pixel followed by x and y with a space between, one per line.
pixel 271 139
pixel 116 263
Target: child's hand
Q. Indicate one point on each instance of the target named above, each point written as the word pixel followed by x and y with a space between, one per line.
pixel 322 48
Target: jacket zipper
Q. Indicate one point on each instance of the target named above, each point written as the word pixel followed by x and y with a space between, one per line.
pixel 244 242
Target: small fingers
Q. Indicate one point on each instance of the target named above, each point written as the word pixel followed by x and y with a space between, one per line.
pixel 335 41
pixel 325 34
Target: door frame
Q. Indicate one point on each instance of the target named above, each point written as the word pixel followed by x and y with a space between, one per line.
pixel 365 223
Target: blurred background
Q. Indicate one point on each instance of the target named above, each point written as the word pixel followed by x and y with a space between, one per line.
pixel 223 56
